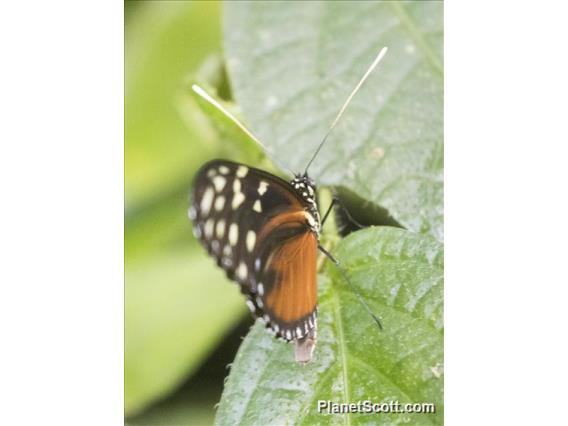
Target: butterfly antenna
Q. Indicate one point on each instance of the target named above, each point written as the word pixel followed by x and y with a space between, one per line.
pixel 199 90
pixel 367 73
pixel 353 288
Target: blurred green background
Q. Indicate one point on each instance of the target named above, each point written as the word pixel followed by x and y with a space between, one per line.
pixel 179 333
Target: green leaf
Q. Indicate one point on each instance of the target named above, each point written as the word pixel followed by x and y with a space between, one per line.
pixel 400 275
pixel 173 291
pixel 164 41
pixel 234 142
pixel 155 228
pixel 177 307
pixel 292 65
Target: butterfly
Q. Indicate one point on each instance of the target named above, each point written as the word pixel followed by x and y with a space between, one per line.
pixel 264 232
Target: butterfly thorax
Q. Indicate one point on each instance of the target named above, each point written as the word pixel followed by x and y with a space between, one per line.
pixel 305 187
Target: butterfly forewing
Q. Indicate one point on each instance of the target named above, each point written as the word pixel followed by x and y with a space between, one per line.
pixel 254 225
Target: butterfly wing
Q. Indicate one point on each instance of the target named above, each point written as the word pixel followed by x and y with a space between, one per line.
pixel 288 286
pixel 253 224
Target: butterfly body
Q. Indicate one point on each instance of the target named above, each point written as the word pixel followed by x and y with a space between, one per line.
pixel 306 188
pixel 264 233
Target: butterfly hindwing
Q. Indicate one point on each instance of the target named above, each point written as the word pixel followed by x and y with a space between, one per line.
pixel 290 296
pixel 253 224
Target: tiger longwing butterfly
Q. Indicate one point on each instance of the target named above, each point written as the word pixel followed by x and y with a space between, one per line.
pixel 264 232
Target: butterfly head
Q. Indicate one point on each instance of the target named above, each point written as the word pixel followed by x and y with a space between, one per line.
pixel 305 187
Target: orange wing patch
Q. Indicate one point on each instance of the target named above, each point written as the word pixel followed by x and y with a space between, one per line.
pixel 292 299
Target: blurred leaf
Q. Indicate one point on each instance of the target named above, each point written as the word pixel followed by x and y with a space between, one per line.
pixel 177 307
pixel 400 275
pixel 173 293
pixel 159 225
pixel 183 413
pixel 164 41
pixel 293 64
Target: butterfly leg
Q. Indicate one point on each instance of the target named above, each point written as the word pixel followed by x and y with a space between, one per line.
pixel 336 200
pixel 353 288
pixel 329 255
pixel 328 211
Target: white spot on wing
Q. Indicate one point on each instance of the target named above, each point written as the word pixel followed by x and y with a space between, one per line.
pixel 260 289
pixel 262 187
pixel 238 199
pixel 242 271
pixel 209 228
pixel 223 170
pixel 257 264
pixel 211 173
pixel 220 229
pixel 233 234
pixel 257 207
pixel 219 182
pixel 259 302
pixel 207 200
pixel 219 203
pixel 251 305
pixel 251 240
pixel 242 171
pixel 237 185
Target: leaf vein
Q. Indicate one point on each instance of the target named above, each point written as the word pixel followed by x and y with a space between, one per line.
pixel 342 350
